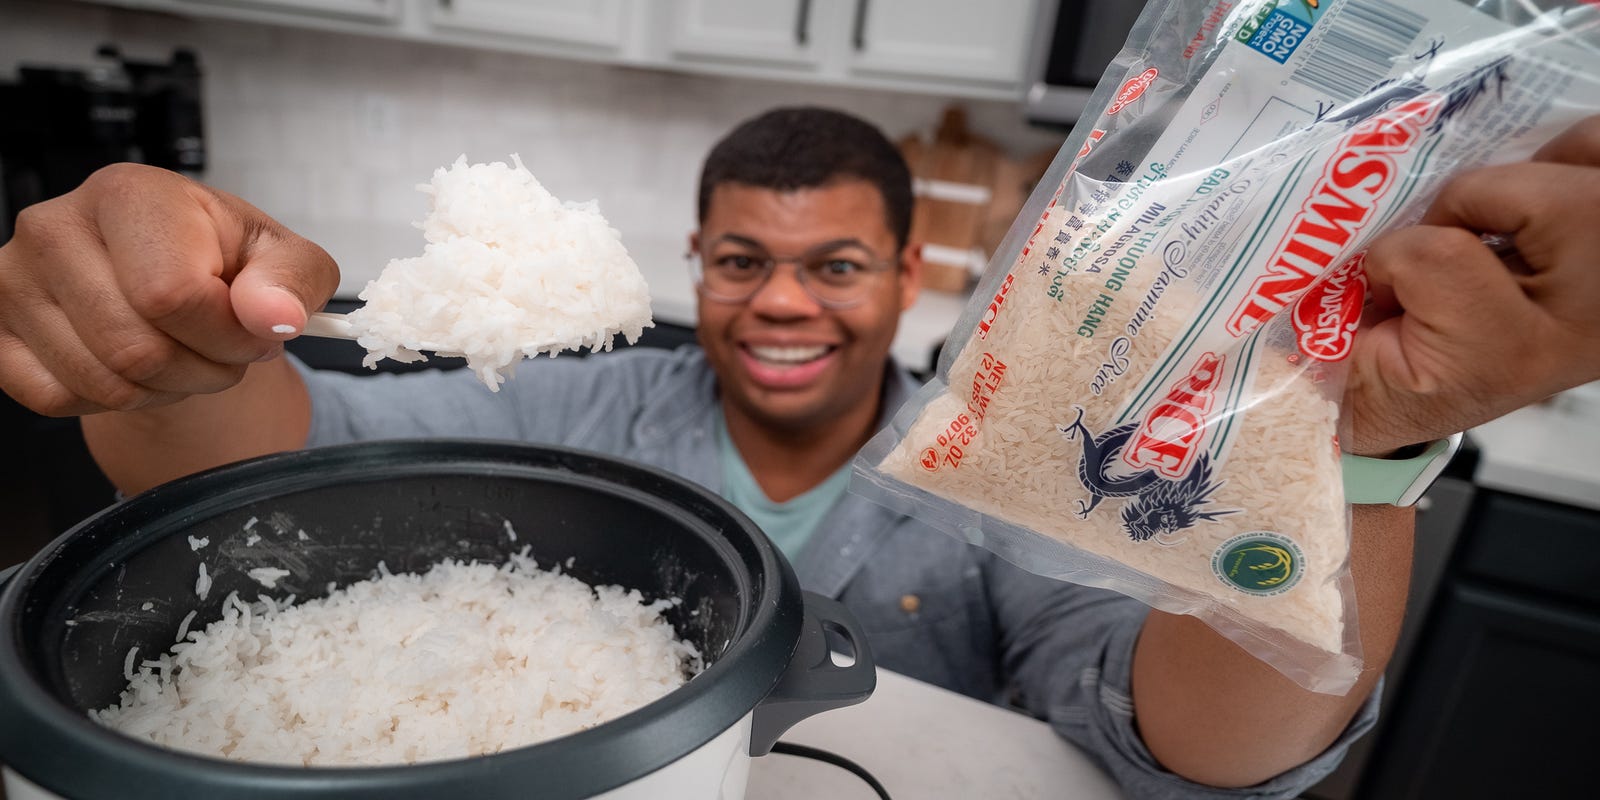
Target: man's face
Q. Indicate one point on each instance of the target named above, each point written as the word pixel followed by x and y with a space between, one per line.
pixel 781 357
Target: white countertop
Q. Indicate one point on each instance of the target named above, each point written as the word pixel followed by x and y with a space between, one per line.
pixel 925 743
pixel 1550 451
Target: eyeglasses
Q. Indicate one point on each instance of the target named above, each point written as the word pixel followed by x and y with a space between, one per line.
pixel 833 275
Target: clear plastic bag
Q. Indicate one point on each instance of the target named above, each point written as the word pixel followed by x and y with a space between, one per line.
pixel 1144 393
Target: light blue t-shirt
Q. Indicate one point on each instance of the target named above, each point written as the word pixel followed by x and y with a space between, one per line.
pixel 788 524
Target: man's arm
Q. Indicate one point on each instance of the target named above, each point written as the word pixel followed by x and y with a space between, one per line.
pixel 1216 715
pixel 159 305
pixel 1457 337
pixel 267 412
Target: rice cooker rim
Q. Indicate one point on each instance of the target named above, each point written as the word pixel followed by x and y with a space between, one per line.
pixel 62 750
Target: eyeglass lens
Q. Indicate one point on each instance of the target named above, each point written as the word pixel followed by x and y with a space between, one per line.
pixel 833 277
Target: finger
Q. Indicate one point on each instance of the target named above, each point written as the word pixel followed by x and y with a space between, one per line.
pixel 168 257
pixel 50 338
pixel 1447 281
pixel 1423 267
pixel 1380 301
pixel 1500 199
pixel 279 278
pixel 1578 144
pixel 26 380
pixel 1456 320
pixel 1547 209
pixel 127 343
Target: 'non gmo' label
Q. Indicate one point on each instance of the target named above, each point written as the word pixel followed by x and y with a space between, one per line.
pixel 1279 36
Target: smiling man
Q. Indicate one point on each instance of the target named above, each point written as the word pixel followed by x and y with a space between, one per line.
pixel 803 269
pixel 154 300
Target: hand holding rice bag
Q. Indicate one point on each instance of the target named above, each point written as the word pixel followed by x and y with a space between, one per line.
pixel 1144 393
pixel 508 272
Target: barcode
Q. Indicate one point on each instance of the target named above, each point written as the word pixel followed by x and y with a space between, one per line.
pixel 1359 50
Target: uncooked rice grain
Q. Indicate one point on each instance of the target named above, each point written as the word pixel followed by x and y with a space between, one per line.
pixel 1021 469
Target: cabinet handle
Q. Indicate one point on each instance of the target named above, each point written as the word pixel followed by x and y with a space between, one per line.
pixel 802 23
pixel 859 37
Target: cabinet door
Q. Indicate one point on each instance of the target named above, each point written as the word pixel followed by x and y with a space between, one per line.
pixel 1500 702
pixel 985 42
pixel 769 31
pixel 598 23
pixel 358 9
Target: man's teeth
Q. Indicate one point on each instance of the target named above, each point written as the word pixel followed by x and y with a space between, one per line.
pixel 789 355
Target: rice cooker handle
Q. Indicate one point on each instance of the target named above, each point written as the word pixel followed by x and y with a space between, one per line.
pixel 814 683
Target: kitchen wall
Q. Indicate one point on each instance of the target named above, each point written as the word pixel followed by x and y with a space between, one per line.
pixel 329 133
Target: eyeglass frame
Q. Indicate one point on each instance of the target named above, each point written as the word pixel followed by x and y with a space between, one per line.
pixel 878 265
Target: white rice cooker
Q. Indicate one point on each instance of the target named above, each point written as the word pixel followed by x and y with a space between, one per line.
pixel 69 616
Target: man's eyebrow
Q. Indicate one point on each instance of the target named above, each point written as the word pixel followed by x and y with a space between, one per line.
pixel 734 238
pixel 839 244
pixel 833 244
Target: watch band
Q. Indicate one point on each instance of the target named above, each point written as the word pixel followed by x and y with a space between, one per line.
pixel 1396 481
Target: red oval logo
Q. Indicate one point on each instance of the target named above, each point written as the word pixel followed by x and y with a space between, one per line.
pixel 930 460
pixel 1327 315
pixel 1131 90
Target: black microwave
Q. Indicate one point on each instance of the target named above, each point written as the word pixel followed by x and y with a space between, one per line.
pixel 1077 39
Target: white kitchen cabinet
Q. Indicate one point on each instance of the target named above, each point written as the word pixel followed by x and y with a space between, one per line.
pixel 356 9
pixel 955 48
pixel 983 42
pixel 600 24
pixel 776 32
pixel 949 46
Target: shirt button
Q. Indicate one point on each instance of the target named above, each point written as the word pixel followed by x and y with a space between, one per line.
pixel 909 603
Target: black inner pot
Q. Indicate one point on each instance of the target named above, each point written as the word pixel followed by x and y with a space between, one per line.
pixel 74 612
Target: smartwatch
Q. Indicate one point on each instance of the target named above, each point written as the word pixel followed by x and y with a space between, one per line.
pixel 1396 481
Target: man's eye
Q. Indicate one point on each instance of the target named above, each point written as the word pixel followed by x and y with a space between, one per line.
pixel 738 264
pixel 839 268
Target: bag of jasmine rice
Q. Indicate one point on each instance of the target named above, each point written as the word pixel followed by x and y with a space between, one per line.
pixel 1144 392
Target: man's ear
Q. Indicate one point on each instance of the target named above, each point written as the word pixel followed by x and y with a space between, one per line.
pixel 694 242
pixel 910 274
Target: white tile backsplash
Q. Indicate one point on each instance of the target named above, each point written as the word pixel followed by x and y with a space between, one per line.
pixel 331 132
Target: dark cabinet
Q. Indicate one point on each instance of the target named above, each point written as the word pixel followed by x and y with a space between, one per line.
pixel 1503 687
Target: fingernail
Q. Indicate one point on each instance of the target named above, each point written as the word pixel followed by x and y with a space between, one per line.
pixel 283 329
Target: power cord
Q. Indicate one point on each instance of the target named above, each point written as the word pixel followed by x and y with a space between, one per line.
pixel 802 751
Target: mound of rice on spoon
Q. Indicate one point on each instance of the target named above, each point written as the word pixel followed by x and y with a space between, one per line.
pixel 508 272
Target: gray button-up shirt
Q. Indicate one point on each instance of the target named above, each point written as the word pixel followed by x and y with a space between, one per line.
pixel 934 608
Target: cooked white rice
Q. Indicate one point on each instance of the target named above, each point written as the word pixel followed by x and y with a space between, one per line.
pixel 267 576
pixel 465 660
pixel 508 272
pixel 202 583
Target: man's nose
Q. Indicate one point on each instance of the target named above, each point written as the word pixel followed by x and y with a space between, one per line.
pixel 783 295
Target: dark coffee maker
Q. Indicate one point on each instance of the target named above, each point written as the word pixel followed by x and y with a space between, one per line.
pixel 57 126
pixel 61 124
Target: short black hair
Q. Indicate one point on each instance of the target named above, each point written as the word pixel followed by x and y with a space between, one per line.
pixel 806 147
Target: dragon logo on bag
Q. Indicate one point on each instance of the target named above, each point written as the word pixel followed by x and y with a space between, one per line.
pixel 1160 507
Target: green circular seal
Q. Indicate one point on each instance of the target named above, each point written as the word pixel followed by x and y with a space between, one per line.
pixel 1261 563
